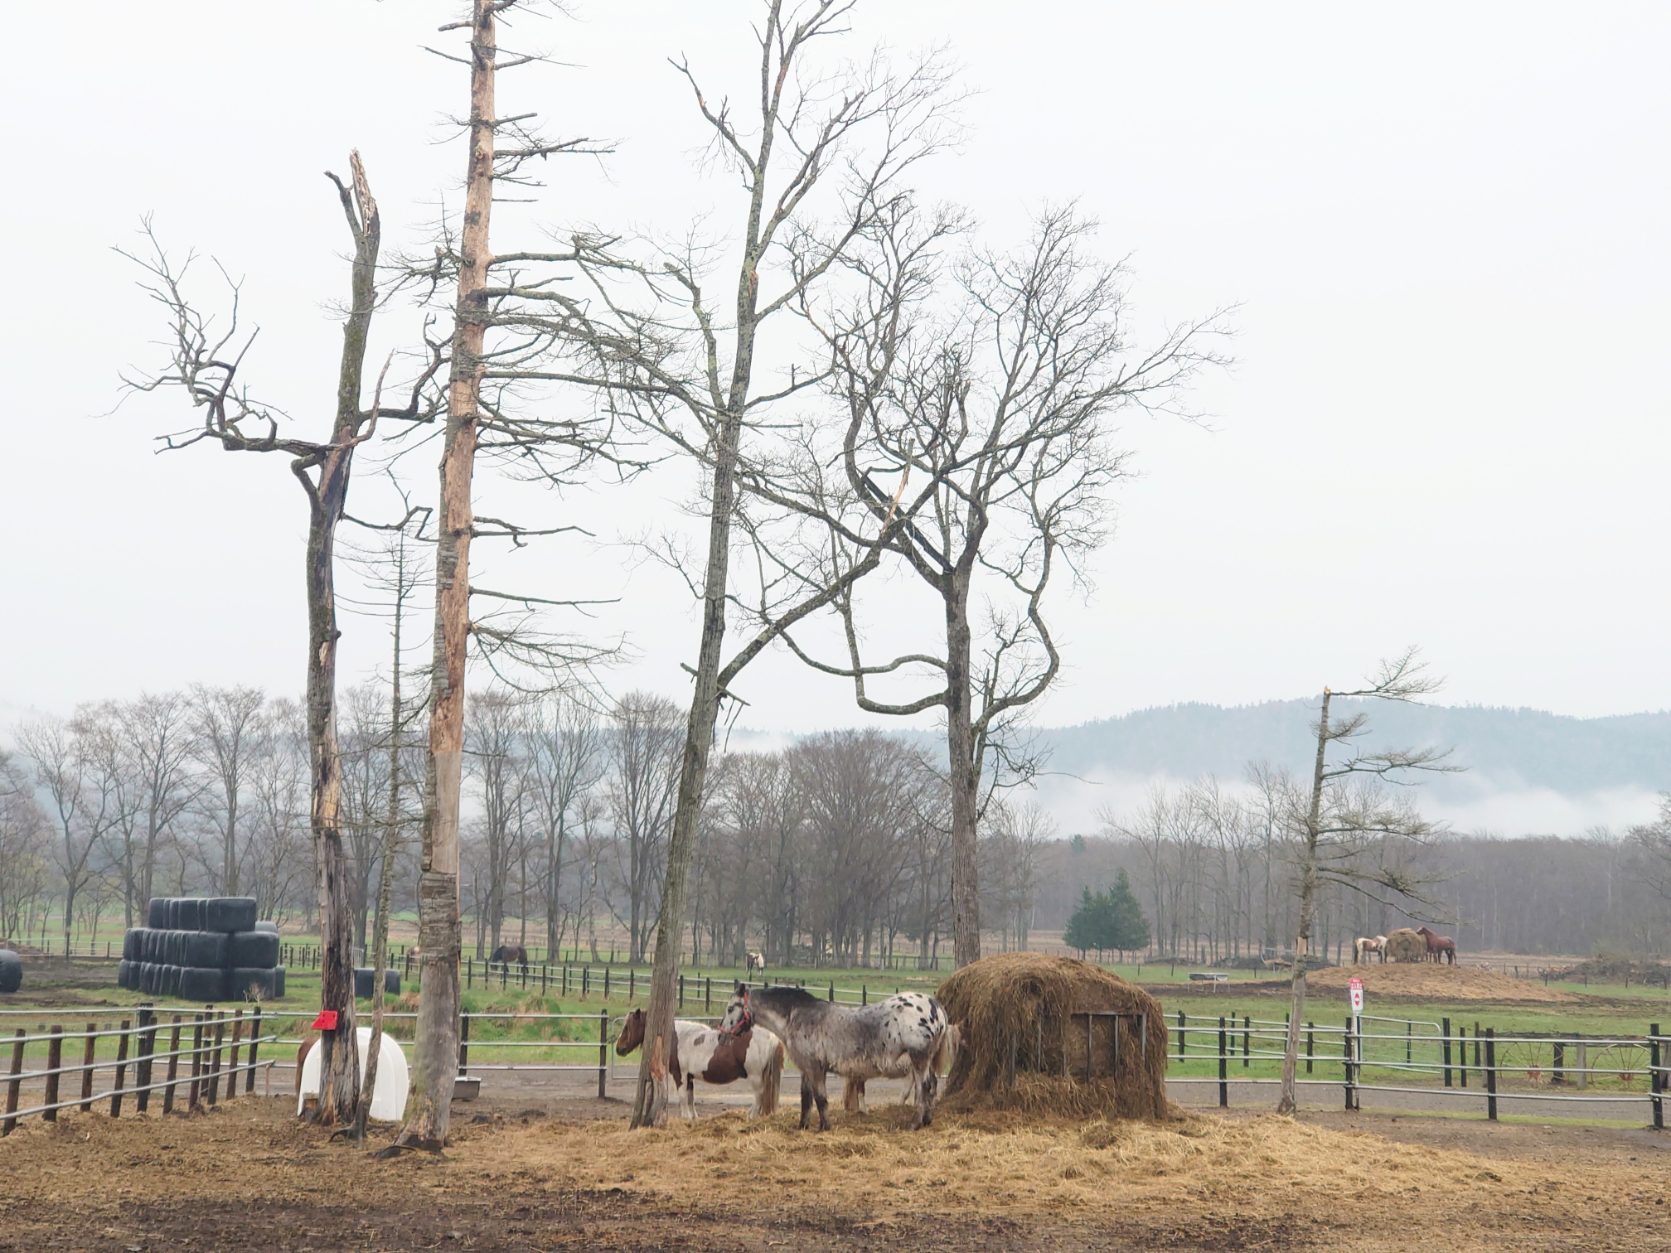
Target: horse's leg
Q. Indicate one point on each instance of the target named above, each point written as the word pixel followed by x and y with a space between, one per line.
pixel 690 1096
pixel 819 1096
pixel 806 1100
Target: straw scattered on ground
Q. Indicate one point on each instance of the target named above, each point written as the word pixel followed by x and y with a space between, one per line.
pixel 1430 981
pixel 247 1176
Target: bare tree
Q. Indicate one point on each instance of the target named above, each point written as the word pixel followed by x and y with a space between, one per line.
pixel 227 723
pixel 206 364
pixel 78 812
pixel 565 763
pixel 1003 408
pixel 645 745
pixel 1344 815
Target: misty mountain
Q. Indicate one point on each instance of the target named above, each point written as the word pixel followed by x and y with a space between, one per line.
pixel 1500 749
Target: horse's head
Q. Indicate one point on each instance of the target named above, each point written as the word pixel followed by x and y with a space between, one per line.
pixel 632 1032
pixel 738 1016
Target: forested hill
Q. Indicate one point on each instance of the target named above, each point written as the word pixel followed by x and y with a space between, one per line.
pixel 1500 748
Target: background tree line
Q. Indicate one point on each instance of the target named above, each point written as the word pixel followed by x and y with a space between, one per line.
pixel 832 849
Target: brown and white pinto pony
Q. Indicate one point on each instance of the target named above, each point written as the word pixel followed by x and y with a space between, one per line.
pixel 700 1052
pixel 756 961
pixel 1439 947
pixel 1364 945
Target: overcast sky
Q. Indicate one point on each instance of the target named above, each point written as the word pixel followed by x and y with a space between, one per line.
pixel 1446 228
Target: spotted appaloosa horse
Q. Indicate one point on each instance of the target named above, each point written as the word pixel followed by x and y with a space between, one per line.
pixel 700 1052
pixel 1439 947
pixel 903 1036
pixel 1365 945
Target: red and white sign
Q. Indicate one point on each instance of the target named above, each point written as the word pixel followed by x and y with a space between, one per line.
pixel 1356 986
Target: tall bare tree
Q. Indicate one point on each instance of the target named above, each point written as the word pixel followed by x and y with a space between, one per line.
pixel 206 364
pixel 1342 820
pixel 1000 403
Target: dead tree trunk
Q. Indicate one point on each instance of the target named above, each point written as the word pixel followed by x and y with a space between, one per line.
pixel 1308 894
pixel 440 934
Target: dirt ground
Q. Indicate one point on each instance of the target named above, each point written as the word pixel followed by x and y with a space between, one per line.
pixel 1433 982
pixel 569 1175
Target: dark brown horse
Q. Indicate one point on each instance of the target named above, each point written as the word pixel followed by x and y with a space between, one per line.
pixel 1439 947
pixel 510 955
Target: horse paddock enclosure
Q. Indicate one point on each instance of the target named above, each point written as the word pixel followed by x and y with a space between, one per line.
pixel 247 1175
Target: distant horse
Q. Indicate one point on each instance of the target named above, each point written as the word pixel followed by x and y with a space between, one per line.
pixel 1364 945
pixel 701 1052
pixel 1438 946
pixel 510 955
pixel 756 961
pixel 903 1036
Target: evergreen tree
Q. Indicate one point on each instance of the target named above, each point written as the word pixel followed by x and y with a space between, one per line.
pixel 1127 928
pixel 1082 928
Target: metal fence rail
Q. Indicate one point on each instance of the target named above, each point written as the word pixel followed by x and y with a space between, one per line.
pixel 214 1054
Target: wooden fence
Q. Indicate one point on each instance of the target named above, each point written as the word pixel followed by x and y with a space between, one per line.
pixel 185 1056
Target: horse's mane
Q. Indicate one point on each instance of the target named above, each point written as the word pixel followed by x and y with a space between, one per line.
pixel 787 996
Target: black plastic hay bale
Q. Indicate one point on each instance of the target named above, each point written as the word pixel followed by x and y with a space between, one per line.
pixel 278 982
pixel 253 983
pixel 122 973
pixel 363 975
pixel 11 971
pixel 204 948
pixel 198 983
pixel 262 924
pixel 1026 1042
pixel 156 913
pixel 192 915
pixel 130 943
pixel 229 913
pixel 252 949
pixel 171 980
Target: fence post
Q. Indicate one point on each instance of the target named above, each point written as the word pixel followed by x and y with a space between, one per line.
pixel 681 992
pixel 121 1071
pixel 1348 1051
pixel 1409 1029
pixel 1477 1038
pixel 12 1084
pixel 1310 1044
pixel 1223 1066
pixel 237 1042
pixel 1462 1054
pixel 632 984
pixel 832 991
pixel 1490 1072
pixel 88 1048
pixel 1558 1063
pixel 708 994
pixel 1247 1056
pixel 147 1046
pixel 1656 1076
pixel 254 1047
pixel 469 972
pixel 606 985
pixel 194 1091
pixel 1445 1046
pixel 54 1060
pixel 464 1044
pixel 1183 1037
pixel 173 1066
pixel 603 1053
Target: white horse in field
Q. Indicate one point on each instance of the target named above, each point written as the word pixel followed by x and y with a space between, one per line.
pixel 701 1052
pixel 756 961
pixel 1365 945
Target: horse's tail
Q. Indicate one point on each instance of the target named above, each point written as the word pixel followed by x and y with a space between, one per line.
pixel 945 1052
pixel 771 1076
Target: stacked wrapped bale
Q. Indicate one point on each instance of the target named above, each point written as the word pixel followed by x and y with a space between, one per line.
pixel 203 949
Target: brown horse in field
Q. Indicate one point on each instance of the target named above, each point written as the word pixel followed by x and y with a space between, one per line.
pixel 510 955
pixel 1439 947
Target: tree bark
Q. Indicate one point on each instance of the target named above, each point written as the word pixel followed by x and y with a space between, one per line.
pixel 440 935
pixel 964 774
pixel 1308 892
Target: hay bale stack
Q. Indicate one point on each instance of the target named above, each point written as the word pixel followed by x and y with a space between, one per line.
pixel 1405 945
pixel 1023 1049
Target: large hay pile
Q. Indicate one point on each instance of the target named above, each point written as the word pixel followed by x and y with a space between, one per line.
pixel 1023 1049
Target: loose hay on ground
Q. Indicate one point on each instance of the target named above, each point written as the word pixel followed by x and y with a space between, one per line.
pixel 1023 1049
pixel 1145 1183
pixel 1433 982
